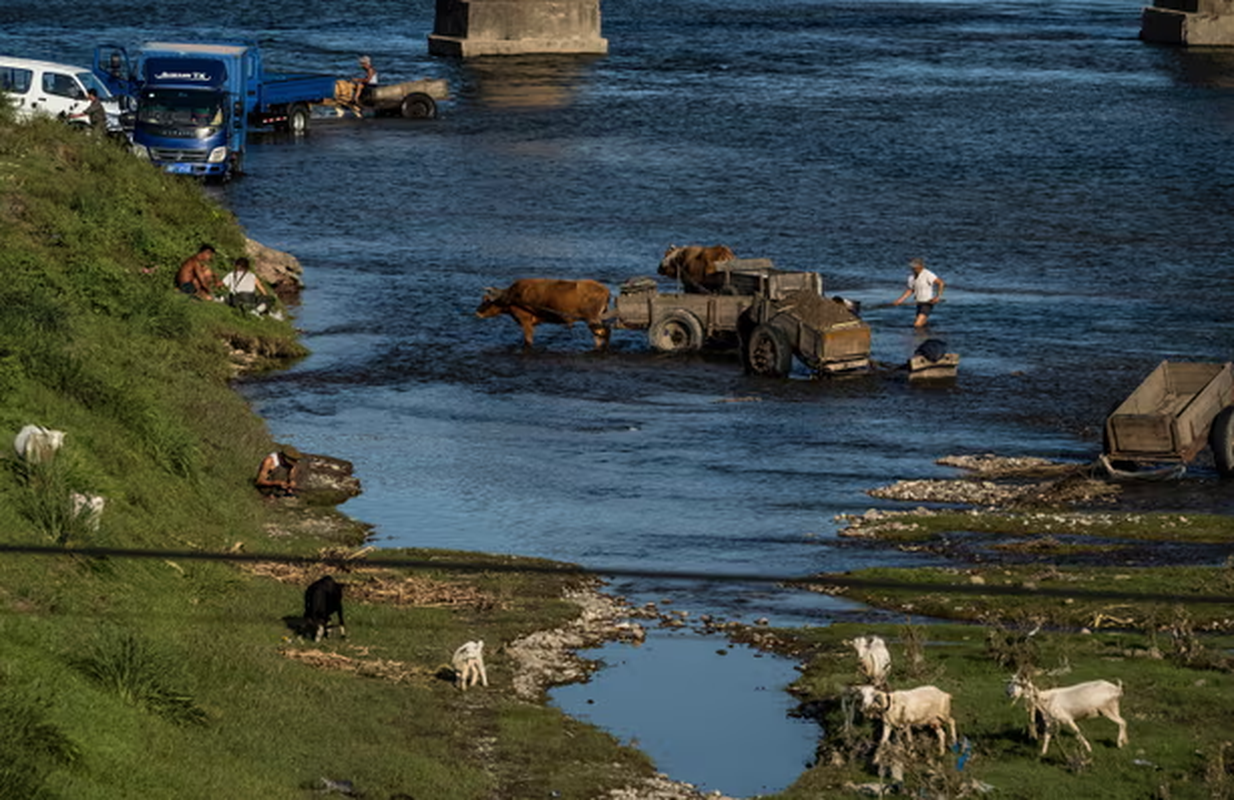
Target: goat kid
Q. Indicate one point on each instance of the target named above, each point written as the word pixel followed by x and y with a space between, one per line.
pixel 1065 705
pixel 910 708
pixel 468 664
pixel 323 598
pixel 874 659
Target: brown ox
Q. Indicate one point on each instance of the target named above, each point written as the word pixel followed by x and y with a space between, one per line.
pixel 694 266
pixel 532 301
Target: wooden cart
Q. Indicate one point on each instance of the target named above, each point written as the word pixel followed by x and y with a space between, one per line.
pixel 1178 410
pixel 770 314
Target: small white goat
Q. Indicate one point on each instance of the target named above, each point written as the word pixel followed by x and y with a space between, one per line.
pixel 1065 705
pixel 874 659
pixel 35 444
pixel 909 708
pixel 87 507
pixel 469 665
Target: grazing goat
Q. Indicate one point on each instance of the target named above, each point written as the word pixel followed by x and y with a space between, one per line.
pixel 874 659
pixel 37 445
pixel 1065 705
pixel 88 508
pixel 322 598
pixel 909 708
pixel 469 665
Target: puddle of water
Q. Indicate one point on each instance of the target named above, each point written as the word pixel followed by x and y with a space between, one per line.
pixel 721 721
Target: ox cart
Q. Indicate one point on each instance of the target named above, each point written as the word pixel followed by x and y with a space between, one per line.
pixel 409 99
pixel 1177 410
pixel 769 314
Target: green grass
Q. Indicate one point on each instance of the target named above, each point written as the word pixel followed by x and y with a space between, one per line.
pixel 1069 596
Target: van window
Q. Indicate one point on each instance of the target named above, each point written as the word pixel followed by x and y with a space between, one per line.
pixel 62 85
pixel 15 79
pixel 90 82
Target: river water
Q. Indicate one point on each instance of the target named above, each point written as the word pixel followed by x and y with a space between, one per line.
pixel 1069 182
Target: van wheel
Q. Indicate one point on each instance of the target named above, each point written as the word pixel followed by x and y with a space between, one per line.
pixel 418 105
pixel 298 119
pixel 1221 440
pixel 677 331
pixel 768 353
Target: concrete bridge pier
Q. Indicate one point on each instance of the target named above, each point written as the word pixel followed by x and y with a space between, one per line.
pixel 1189 22
pixel 513 27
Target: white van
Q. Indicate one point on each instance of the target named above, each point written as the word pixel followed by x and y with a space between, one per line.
pixel 43 87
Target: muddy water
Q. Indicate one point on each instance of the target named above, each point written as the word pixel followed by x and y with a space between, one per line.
pixel 1065 179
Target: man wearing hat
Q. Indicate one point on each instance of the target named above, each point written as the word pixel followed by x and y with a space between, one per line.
pixel 277 473
pixel 925 287
pixel 369 78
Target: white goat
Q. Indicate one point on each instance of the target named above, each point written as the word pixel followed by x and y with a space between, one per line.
pixel 1065 705
pixel 909 708
pixel 873 658
pixel 87 507
pixel 469 665
pixel 37 445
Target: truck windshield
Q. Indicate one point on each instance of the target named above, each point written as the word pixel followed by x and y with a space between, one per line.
pixel 181 110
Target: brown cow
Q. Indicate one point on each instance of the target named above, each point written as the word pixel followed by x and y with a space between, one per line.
pixel 532 301
pixel 693 265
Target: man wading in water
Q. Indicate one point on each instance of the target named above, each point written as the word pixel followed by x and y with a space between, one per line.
pixel 922 284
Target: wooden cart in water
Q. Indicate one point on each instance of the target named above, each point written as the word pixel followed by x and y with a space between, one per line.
pixel 408 99
pixel 1178 410
pixel 771 315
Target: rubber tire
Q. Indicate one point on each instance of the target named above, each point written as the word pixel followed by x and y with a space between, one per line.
pixel 298 119
pixel 677 331
pixel 1221 440
pixel 418 105
pixel 767 352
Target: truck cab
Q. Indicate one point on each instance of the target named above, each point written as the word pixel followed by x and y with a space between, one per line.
pixel 190 106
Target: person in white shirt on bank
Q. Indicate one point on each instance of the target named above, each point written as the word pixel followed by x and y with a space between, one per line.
pixel 244 290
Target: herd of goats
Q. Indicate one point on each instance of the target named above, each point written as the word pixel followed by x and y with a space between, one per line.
pixel 928 706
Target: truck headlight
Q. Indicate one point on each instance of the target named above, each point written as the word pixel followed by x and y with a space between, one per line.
pixel 218 155
pixel 141 151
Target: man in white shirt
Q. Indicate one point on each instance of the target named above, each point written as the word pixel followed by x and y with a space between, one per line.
pixel 925 287
pixel 244 290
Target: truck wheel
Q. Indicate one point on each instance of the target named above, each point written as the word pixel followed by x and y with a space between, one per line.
pixel 767 352
pixel 298 119
pixel 1221 440
pixel 418 105
pixel 677 331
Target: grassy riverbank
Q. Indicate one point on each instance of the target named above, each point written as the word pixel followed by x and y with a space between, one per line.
pixel 176 677
pixel 1177 706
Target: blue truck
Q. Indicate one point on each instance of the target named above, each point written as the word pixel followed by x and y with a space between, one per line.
pixel 196 102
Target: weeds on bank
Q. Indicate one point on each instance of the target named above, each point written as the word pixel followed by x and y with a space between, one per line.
pixel 31 747
pixel 124 663
pixel 47 502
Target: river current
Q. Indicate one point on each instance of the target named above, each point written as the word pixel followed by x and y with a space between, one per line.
pixel 1070 183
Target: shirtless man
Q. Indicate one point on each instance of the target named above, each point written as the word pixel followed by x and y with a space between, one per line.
pixel 195 278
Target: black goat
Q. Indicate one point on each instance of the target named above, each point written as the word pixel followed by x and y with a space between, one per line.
pixel 322 598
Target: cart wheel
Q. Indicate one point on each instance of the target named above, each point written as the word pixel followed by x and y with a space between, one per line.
pixel 1221 440
pixel 768 353
pixel 418 105
pixel 677 331
pixel 298 119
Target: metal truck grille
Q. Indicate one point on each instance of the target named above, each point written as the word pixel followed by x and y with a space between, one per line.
pixel 160 154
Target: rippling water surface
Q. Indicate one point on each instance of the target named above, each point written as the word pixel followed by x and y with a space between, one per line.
pixel 1070 183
